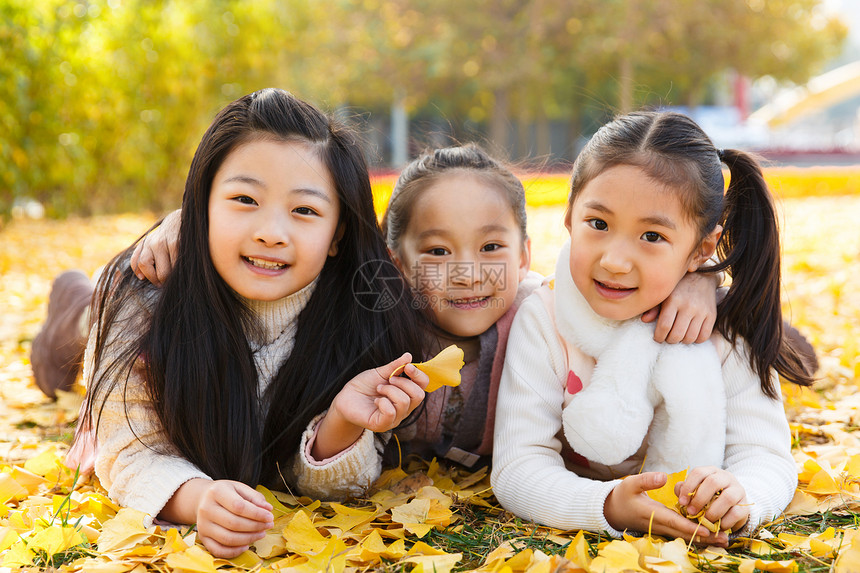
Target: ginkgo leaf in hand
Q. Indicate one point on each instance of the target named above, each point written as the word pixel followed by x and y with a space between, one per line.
pixel 443 369
pixel 666 494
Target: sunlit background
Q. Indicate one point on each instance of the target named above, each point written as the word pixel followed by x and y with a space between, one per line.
pixel 103 101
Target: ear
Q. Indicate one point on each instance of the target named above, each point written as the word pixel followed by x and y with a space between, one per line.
pixel 338 235
pixel 568 214
pixel 396 260
pixel 525 260
pixel 706 249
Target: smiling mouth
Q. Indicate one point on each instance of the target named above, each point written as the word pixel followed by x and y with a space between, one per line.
pixel 469 302
pixel 615 288
pixel 264 264
pixel 613 292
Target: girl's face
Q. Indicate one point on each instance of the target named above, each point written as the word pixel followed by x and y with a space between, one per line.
pixel 273 214
pixel 631 242
pixel 463 252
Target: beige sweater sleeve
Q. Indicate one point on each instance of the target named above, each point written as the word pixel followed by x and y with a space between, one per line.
pixel 135 461
pixel 347 474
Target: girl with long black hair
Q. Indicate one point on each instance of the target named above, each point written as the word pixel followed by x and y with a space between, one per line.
pixel 255 362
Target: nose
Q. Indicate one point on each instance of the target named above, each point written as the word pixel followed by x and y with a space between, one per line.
pixel 616 258
pixel 272 229
pixel 463 272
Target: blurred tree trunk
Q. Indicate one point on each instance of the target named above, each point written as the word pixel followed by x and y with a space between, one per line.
pixel 399 130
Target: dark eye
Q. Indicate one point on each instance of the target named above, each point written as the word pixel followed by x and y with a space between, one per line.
pixel 438 252
pixel 245 200
pixel 651 236
pixel 304 211
pixel 491 247
pixel 598 224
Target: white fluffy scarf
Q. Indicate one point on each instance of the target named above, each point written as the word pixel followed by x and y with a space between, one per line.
pixel 673 393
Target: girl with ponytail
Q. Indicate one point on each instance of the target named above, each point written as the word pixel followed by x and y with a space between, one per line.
pixel 587 397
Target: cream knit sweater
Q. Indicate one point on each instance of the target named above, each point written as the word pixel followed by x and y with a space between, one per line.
pixel 144 478
pixel 529 475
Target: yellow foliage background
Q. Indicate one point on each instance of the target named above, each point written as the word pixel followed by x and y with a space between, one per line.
pixel 821 244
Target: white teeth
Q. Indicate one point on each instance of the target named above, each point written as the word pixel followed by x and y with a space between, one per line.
pixel 264 264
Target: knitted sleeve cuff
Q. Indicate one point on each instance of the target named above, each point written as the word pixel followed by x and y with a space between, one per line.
pixel 313 428
pixel 348 474
pixel 600 502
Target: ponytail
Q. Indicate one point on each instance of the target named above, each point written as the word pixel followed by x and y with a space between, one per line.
pixel 750 252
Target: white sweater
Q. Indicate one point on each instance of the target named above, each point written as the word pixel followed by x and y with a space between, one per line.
pixel 529 475
pixel 142 478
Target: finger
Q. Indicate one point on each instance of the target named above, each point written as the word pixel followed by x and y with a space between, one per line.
pixel 218 549
pixel 399 399
pixel 641 483
pixel 664 521
pixel 723 503
pixel 675 525
pixel 707 328
pixel 133 263
pixel 162 263
pixel 228 520
pixel 664 324
pixel 146 264
pixel 692 333
pixel 382 419
pixel 417 376
pixel 691 483
pixel 172 247
pixel 229 497
pixel 387 370
pixel 735 519
pixel 706 491
pixel 254 496
pixel 678 330
pixel 413 387
pixel 651 314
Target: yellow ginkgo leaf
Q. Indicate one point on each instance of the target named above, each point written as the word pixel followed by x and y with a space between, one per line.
pixel 577 551
pixel 822 483
pixel 443 369
pixel 194 559
pixel 302 536
pixel 666 494
pixel 616 557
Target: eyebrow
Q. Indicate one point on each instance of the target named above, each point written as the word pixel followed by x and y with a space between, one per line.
pixel 247 179
pixel 650 220
pixel 432 233
pixel 491 228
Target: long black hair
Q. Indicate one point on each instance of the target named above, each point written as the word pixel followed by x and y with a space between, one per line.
pixel 193 351
pixel 673 149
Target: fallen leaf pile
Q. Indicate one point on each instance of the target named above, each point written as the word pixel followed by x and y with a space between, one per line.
pixel 426 516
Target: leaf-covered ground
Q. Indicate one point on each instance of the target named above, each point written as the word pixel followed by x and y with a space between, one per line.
pixel 425 517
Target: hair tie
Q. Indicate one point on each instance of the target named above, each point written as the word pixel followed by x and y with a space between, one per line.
pixel 721 153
